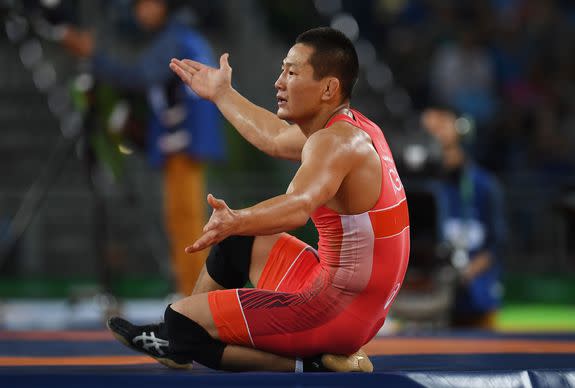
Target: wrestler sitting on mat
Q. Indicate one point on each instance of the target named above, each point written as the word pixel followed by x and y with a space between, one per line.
pixel 311 310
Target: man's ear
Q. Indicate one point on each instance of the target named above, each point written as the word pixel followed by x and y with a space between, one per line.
pixel 331 88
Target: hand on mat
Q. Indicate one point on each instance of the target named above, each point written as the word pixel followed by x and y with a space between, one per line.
pixel 208 82
pixel 221 225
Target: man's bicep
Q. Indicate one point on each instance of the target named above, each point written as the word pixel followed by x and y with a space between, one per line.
pixel 321 174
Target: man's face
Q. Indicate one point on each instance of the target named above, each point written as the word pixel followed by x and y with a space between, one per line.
pixel 441 124
pixel 151 14
pixel 298 93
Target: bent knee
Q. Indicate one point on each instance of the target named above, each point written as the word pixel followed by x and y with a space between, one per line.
pixel 197 309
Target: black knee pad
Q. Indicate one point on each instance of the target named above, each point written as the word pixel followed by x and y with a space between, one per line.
pixel 188 338
pixel 229 261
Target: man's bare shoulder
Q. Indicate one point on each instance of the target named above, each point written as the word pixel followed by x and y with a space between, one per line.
pixel 339 143
pixel 342 135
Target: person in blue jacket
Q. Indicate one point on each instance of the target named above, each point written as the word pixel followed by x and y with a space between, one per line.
pixel 184 130
pixel 472 221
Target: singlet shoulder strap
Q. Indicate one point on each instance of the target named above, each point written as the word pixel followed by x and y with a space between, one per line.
pixel 342 117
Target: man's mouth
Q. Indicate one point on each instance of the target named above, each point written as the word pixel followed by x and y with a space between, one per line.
pixel 281 101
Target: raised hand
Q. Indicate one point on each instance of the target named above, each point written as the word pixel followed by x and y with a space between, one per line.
pixel 222 223
pixel 208 82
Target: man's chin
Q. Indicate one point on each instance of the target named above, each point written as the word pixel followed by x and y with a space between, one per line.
pixel 282 114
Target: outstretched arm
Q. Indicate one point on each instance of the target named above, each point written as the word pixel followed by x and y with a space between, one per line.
pixel 148 70
pixel 326 161
pixel 257 125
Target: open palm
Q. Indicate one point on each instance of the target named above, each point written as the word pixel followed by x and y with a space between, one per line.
pixel 221 224
pixel 205 81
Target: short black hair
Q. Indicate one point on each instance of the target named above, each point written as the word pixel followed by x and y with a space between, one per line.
pixel 334 54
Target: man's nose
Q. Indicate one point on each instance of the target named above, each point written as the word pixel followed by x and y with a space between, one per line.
pixel 279 84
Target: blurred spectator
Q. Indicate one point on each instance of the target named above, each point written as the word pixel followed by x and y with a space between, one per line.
pixel 535 81
pixel 472 221
pixel 184 130
pixel 462 75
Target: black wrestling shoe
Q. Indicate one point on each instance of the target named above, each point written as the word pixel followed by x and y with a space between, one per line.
pixel 148 340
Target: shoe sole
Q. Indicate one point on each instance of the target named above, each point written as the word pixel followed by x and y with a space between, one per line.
pixel 164 361
pixel 357 362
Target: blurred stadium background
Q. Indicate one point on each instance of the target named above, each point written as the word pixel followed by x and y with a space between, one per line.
pixel 80 213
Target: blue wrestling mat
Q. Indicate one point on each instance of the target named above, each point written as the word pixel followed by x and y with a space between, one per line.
pixel 95 359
